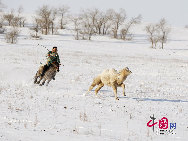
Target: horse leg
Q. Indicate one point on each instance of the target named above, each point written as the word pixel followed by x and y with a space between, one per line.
pixel 38 82
pixel 35 79
pixel 37 75
pixel 43 82
pixel 48 82
pixel 53 77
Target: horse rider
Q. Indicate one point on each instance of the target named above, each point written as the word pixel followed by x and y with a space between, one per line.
pixel 52 57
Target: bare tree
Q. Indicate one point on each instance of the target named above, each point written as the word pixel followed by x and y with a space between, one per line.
pixel 126 29
pixel 21 18
pixel 87 26
pixel 62 11
pixel 20 10
pixel 44 14
pixel 9 17
pixel 97 19
pixel 1 22
pixel 94 15
pixel 2 6
pixel 11 36
pixel 2 30
pixel 36 28
pixel 52 18
pixel 164 31
pixel 118 19
pixel 15 21
pixel 90 22
pixel 22 21
pixel 158 33
pixel 77 25
pixel 152 30
pixel 46 19
pixel 107 17
pixel 99 23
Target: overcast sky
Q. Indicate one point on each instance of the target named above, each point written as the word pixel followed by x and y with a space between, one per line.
pixel 175 11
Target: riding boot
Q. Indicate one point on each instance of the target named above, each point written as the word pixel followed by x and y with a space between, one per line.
pixel 44 70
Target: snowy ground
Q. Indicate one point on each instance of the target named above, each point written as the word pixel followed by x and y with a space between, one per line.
pixel 158 85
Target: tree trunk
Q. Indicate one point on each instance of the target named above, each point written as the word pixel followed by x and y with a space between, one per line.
pixel 151 44
pixel 52 28
pixel 46 31
pixel 61 24
pixel 62 21
pixel 103 29
pixel 99 30
pixel 115 34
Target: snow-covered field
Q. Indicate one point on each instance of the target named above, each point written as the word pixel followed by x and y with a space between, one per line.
pixel 158 85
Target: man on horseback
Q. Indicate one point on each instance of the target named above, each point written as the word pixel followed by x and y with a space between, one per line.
pixel 52 57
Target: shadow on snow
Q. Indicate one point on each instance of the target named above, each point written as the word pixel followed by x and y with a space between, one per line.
pixel 154 99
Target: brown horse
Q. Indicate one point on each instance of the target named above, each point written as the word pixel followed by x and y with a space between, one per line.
pixel 49 74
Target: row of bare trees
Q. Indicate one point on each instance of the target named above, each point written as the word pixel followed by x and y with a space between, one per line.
pixel 15 20
pixel 85 24
pixel 46 17
pixel 158 33
pixel 92 22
